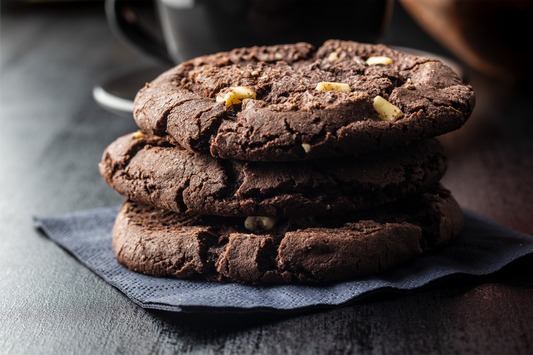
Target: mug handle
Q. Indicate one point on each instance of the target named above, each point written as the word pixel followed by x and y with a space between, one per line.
pixel 123 18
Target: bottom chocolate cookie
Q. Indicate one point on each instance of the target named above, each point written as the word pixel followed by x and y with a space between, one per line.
pixel 291 250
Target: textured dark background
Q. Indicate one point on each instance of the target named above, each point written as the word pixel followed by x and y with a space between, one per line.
pixel 53 135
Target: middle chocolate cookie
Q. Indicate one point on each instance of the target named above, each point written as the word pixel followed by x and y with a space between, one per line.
pixel 151 171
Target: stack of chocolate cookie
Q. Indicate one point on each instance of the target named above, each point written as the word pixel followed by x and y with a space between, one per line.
pixel 287 164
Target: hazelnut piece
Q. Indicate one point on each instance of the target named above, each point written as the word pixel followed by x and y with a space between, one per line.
pixel 379 60
pixel 386 111
pixel 333 57
pixel 137 135
pixel 254 223
pixel 325 86
pixel 235 95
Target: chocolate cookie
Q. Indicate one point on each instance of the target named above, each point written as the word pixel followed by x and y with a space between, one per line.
pixel 151 171
pixel 287 102
pixel 293 250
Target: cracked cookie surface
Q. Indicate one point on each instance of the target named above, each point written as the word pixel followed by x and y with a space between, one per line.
pixel 150 170
pixel 289 119
pixel 295 250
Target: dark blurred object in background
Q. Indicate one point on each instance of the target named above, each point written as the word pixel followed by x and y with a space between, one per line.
pixel 193 28
pixel 493 37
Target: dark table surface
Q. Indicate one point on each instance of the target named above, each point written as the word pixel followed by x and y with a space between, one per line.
pixel 53 135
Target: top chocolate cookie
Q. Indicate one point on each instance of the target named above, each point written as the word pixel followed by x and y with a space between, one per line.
pixel 293 102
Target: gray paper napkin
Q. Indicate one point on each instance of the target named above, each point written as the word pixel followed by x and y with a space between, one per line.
pixel 483 247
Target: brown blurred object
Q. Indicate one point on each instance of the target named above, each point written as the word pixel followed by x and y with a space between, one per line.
pixel 493 37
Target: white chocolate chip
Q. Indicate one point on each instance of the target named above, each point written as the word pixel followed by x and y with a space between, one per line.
pixel 333 57
pixel 325 86
pixel 386 111
pixel 235 95
pixel 379 60
pixel 306 147
pixel 137 135
pixel 254 223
